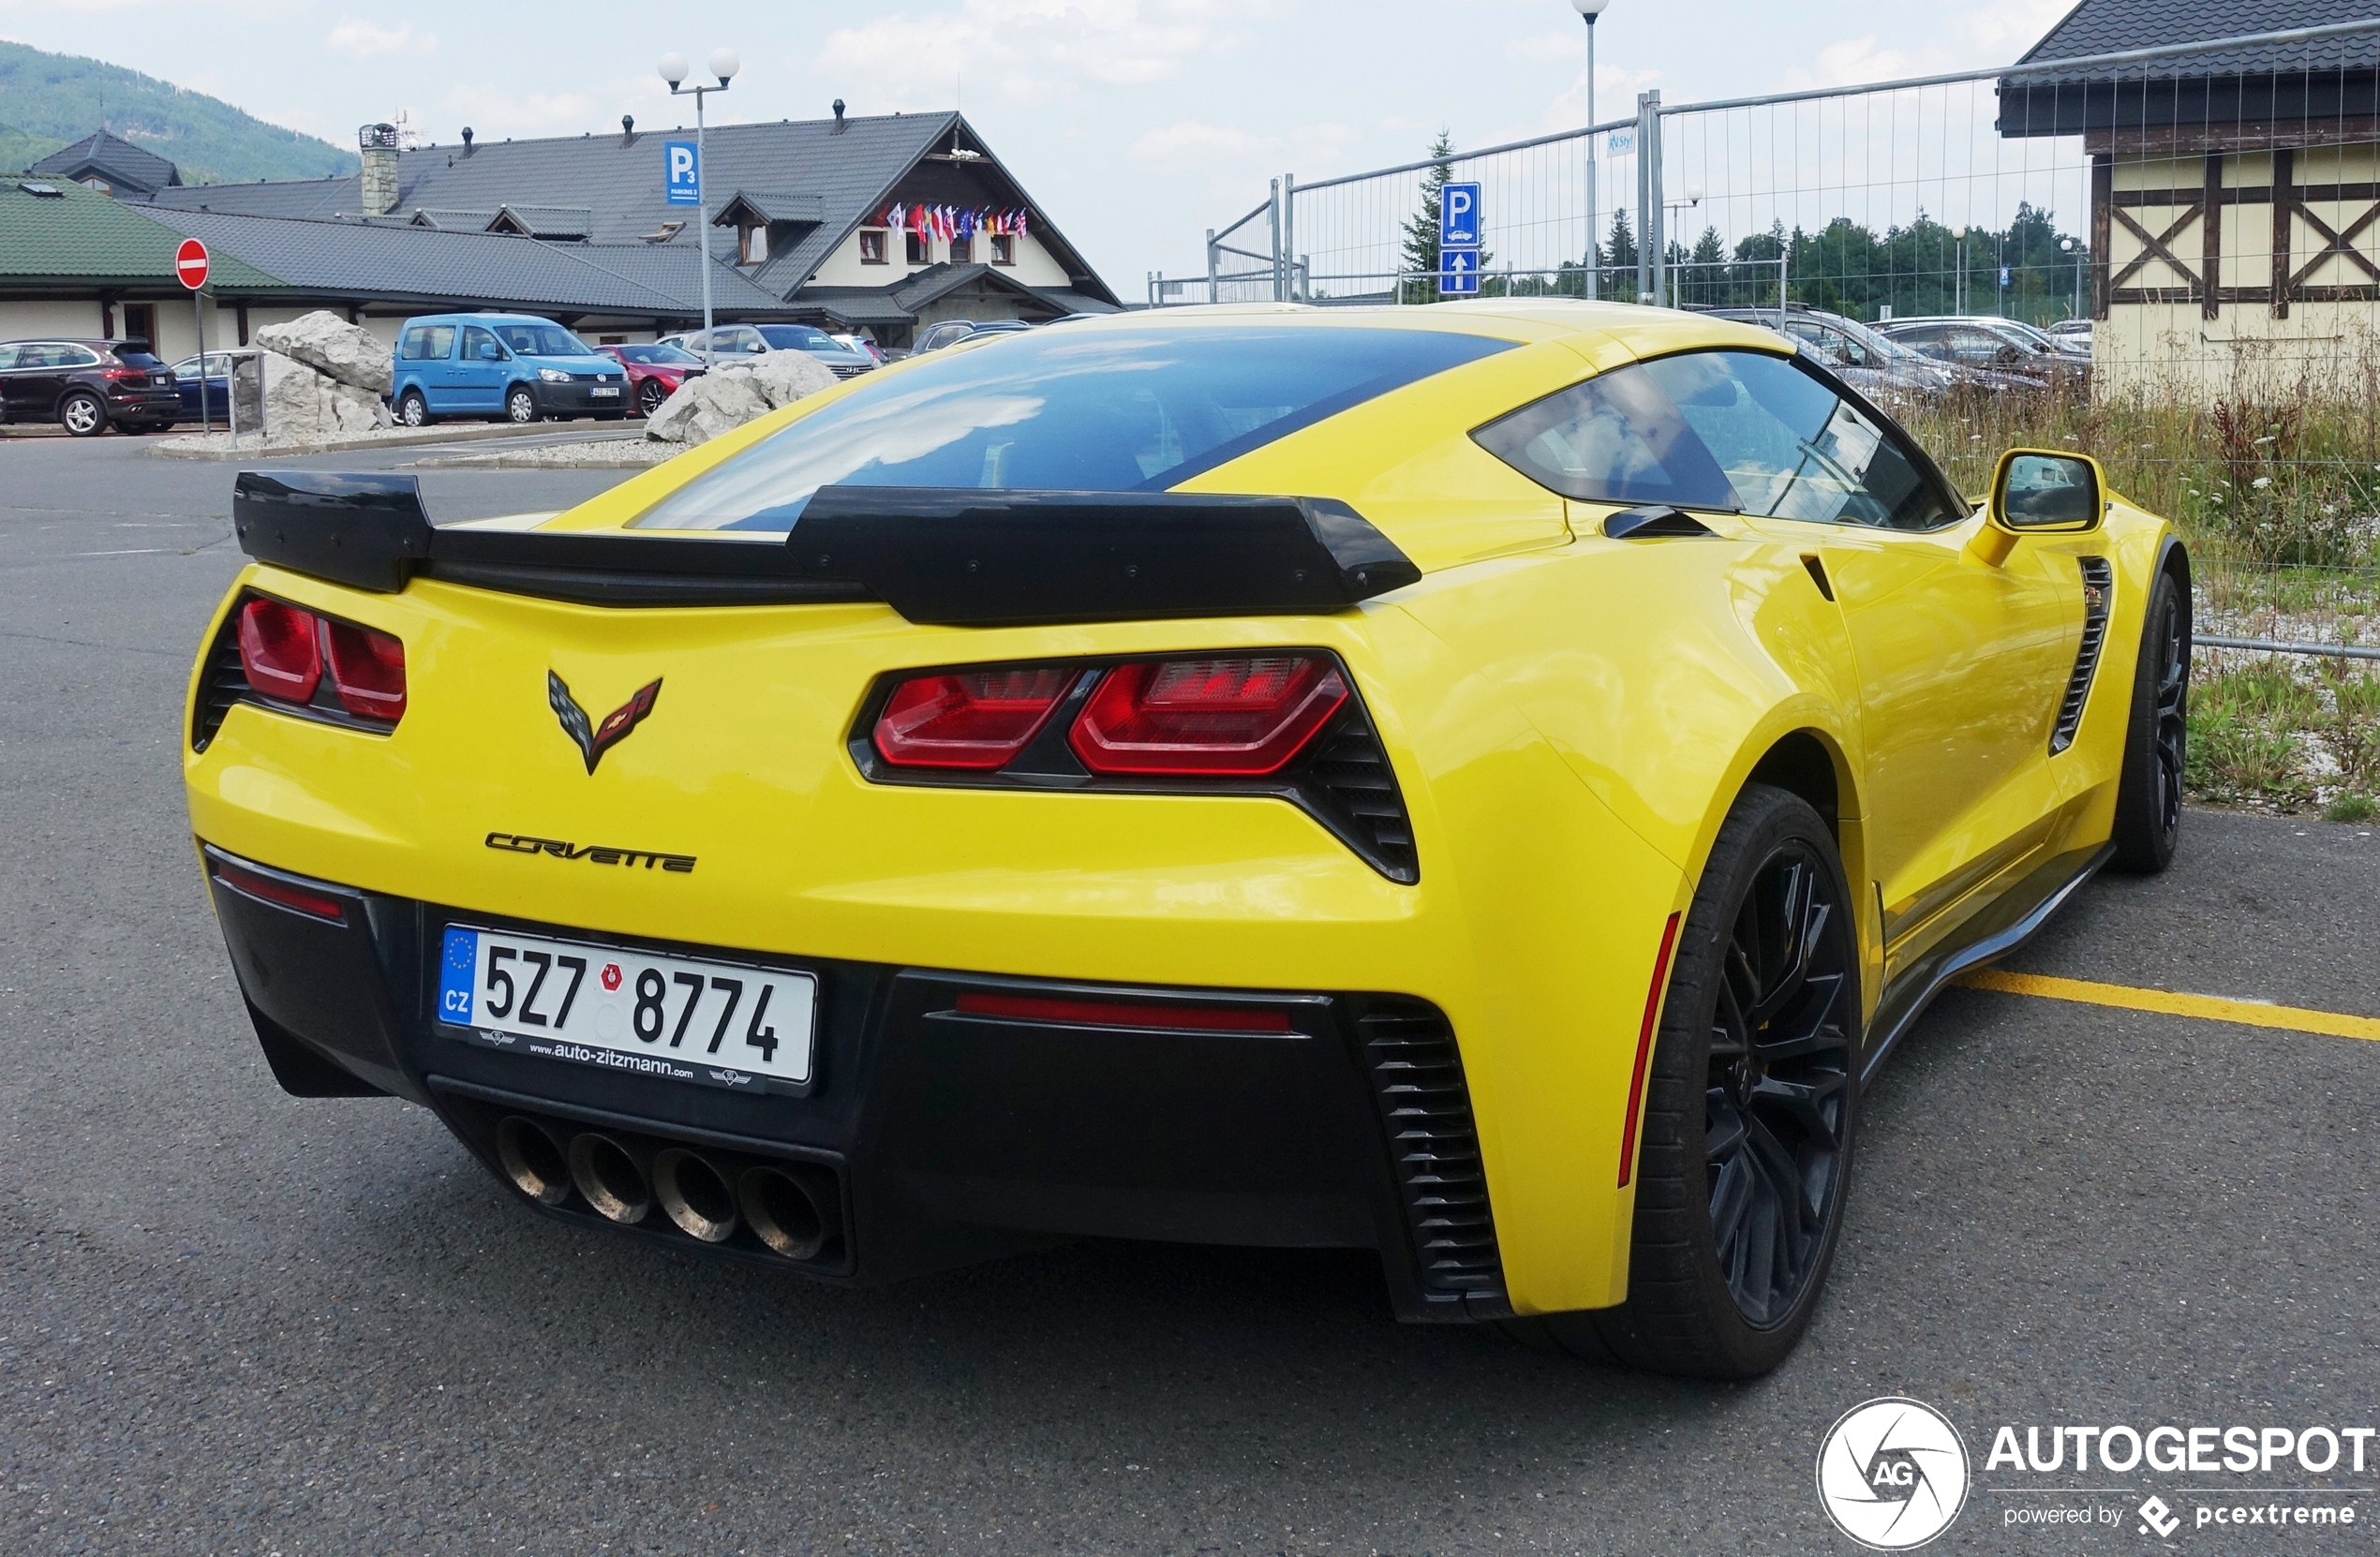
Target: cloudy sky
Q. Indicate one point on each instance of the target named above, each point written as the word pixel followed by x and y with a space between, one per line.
pixel 1138 124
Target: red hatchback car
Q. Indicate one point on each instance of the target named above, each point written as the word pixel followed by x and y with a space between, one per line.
pixel 654 372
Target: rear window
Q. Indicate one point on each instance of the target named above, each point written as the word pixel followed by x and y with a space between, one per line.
pixel 430 343
pixel 134 357
pixel 1123 411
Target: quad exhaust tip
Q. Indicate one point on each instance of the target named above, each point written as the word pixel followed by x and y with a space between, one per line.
pixel 609 1176
pixel 532 1160
pixel 794 1210
pixel 786 1213
pixel 694 1196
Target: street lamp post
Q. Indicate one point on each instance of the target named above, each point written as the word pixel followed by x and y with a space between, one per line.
pixel 2075 249
pixel 723 65
pixel 1589 10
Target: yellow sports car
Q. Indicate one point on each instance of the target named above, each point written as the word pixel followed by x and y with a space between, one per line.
pixel 1485 783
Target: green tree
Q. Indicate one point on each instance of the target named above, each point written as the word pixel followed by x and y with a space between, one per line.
pixel 1420 251
pixel 1617 259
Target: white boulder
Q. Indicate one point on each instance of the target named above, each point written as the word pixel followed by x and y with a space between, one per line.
pixel 728 397
pixel 301 404
pixel 342 352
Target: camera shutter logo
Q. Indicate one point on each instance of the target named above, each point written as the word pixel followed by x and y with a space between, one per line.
pixel 1892 1473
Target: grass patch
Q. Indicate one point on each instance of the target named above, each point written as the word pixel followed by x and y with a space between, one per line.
pixel 2284 732
pixel 2351 808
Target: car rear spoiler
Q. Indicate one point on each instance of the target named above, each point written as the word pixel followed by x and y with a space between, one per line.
pixel 956 557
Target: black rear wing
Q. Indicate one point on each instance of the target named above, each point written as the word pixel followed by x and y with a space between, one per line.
pixel 956 558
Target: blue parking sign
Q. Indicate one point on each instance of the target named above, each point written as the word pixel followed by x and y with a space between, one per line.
pixel 682 172
pixel 1458 272
pixel 1459 216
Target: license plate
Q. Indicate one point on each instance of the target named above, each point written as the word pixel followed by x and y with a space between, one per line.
pixel 719 1024
pixel 605 394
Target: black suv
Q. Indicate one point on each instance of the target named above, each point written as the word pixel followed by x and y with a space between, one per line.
pixel 87 386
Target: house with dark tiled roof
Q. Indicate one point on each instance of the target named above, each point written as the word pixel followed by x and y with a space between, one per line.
pixel 2235 191
pixel 112 165
pixel 881 223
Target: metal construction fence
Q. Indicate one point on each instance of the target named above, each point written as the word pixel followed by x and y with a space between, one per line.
pixel 2168 257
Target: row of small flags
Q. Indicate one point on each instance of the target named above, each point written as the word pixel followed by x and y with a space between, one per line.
pixel 947 222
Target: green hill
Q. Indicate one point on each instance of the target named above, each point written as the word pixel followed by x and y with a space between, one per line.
pixel 19 151
pixel 50 100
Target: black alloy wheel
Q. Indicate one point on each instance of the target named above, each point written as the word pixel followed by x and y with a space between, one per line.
pixel 1775 1107
pixel 1750 1112
pixel 2157 741
pixel 650 397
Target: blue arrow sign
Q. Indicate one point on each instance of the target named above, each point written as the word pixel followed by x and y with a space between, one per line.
pixel 1459 216
pixel 681 174
pixel 1458 272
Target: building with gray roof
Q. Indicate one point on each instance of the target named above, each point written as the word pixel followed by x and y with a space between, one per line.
pixel 2232 187
pixel 803 225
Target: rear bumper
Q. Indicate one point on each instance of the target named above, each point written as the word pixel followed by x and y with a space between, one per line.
pixel 946 1137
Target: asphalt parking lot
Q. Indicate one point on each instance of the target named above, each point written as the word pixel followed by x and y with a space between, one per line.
pixel 235 1321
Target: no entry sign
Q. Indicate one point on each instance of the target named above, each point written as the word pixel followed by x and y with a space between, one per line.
pixel 190 263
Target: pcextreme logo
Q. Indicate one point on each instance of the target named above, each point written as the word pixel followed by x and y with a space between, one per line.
pixel 1892 1473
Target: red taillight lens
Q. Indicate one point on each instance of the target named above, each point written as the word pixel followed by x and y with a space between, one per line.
pixel 975 719
pixel 367 671
pixel 1243 716
pixel 280 649
pixel 279 893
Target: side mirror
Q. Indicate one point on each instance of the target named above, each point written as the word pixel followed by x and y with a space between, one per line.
pixel 2040 492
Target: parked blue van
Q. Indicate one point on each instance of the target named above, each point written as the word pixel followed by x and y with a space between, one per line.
pixel 516 367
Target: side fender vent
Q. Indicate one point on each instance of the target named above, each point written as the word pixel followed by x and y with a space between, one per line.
pixel 1425 1109
pixel 2099 583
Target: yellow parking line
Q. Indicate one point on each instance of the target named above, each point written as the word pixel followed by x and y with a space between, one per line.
pixel 2289 1018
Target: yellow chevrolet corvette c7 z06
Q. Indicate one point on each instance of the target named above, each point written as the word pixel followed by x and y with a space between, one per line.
pixel 1487 784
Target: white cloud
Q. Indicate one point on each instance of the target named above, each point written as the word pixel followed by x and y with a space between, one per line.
pixel 1541 47
pixel 1852 61
pixel 1021 50
pixel 497 112
pixel 360 39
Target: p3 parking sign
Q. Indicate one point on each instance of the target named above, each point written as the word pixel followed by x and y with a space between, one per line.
pixel 682 172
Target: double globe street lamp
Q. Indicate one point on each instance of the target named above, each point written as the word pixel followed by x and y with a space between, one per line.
pixel 724 66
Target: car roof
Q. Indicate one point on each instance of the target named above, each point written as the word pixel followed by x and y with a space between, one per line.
pixel 1603 331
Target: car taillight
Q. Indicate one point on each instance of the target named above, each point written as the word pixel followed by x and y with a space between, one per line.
pixel 285 651
pixel 279 893
pixel 1239 716
pixel 280 649
pixel 967 720
pixel 367 671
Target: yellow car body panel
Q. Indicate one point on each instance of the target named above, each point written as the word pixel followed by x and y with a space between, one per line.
pixel 1569 717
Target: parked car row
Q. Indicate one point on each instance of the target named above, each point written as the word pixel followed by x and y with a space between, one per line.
pixel 1931 354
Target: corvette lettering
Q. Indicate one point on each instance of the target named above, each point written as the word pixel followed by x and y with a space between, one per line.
pixel 600 854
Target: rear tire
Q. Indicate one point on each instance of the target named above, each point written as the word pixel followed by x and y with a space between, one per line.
pixel 412 410
pixel 82 416
pixel 2157 739
pixel 1752 1112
